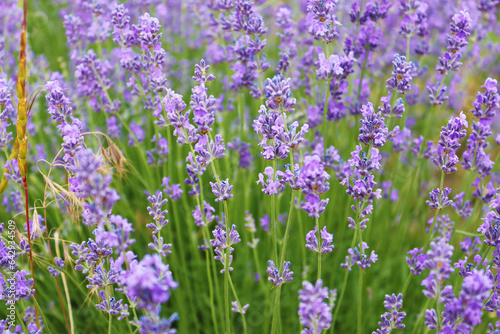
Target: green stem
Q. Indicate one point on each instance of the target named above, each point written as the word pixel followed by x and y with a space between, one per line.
pixel 325 108
pixel 360 300
pixel 273 219
pixel 109 323
pixel 407 283
pixel 226 291
pixel 210 289
pixel 276 309
pixel 344 285
pixel 420 317
pixel 319 251
pixel 240 305
pixel 438 308
pixel 408 48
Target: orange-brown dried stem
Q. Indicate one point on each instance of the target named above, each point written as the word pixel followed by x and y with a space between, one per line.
pixel 22 137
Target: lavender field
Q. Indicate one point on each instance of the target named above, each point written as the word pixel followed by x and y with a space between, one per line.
pixel 239 166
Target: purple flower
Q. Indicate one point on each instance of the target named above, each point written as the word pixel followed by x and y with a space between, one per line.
pixel 312 241
pixel 486 104
pixel 203 106
pixel 7 108
pixel 461 27
pixel 393 319
pixel 236 307
pixel 314 206
pixel 323 24
pixel 361 183
pixel 274 274
pixel 153 323
pixel 59 105
pixel 464 208
pixel 469 247
pixel 222 190
pixel 313 179
pixel 279 96
pixel 449 142
pixel 359 257
pixel 439 201
pixel 205 218
pixel 439 264
pixel 114 127
pixel 491 229
pixel 475 157
pixel 174 192
pixel 417 260
pixel 209 151
pixel 156 211
pixel 245 160
pixel 221 242
pixel 264 222
pixel 401 76
pixel 137 134
pixel 328 68
pixel 159 246
pixel 464 312
pixel 149 281
pixel 373 130
pixel 111 305
pixel 119 235
pixel 161 150
pixel 315 314
pixel 272 185
pixel 435 97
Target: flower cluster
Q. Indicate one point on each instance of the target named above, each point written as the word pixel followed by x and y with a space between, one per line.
pixel 475 158
pixel 445 157
pixel 314 313
pixel 313 244
pixel 222 244
pixel 393 319
pixel 274 273
pixel 461 28
pixel 358 257
pixel 415 23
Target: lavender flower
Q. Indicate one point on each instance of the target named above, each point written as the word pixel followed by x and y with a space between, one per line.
pixel 314 313
pixel 439 264
pixel 393 319
pixel 449 142
pixel 279 96
pixel 464 312
pixel 222 190
pixel 236 307
pixel 461 28
pixel 149 281
pixel 221 242
pixel 486 104
pixel 313 244
pixel 439 201
pixel 359 257
pixel 205 218
pixel 401 76
pixel 417 260
pixel 160 247
pixel 373 130
pixel 274 273
pixel 464 208
pixel 156 211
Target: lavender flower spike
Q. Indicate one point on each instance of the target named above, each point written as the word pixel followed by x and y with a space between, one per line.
pixel 274 274
pixel 314 313
pixel 312 241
